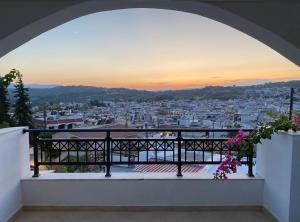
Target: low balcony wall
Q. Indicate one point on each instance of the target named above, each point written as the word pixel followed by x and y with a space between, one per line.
pixel 131 189
pixel 14 164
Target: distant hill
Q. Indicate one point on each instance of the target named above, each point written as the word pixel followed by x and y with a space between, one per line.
pixel 84 93
pixel 37 85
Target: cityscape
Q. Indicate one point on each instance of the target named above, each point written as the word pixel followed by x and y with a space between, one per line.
pixel 248 111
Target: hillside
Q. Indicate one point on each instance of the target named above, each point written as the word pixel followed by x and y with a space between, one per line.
pixel 84 93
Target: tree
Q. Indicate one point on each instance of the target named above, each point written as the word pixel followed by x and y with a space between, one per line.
pixel 4 102
pixel 4 105
pixel 23 115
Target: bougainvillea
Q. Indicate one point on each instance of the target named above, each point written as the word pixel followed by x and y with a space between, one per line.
pixel 247 142
pixel 227 166
pixel 238 138
pixel 296 120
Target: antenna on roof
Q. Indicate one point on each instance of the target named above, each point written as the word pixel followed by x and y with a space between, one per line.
pixel 126 121
pixel 291 103
pixel 45 117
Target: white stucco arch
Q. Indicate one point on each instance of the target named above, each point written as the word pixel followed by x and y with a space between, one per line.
pixel 206 9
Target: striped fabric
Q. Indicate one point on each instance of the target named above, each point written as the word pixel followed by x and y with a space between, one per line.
pixel 159 168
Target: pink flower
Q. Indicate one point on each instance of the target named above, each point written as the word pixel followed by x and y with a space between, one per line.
pixel 238 138
pixel 227 166
pixel 296 120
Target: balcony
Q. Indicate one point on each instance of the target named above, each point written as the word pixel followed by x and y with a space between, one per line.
pixel 265 192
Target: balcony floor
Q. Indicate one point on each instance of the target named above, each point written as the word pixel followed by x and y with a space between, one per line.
pixel 206 215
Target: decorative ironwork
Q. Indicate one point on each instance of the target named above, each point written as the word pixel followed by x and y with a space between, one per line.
pixel 69 151
pixel 130 151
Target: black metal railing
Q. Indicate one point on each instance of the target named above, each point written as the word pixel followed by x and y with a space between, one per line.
pixel 181 149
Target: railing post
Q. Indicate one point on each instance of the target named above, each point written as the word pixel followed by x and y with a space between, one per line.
pixel 108 162
pixel 179 139
pixel 250 163
pixel 36 172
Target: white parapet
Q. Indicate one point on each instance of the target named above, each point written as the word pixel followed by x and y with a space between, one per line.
pixel 279 164
pixel 132 189
pixel 14 164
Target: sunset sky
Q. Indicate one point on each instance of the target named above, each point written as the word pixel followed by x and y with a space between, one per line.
pixel 147 49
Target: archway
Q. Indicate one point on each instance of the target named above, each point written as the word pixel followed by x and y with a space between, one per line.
pixel 66 12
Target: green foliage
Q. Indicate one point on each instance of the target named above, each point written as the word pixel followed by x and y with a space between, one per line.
pixel 4 105
pixel 4 125
pixel 274 114
pixel 270 113
pixel 5 81
pixel 23 115
pixel 266 131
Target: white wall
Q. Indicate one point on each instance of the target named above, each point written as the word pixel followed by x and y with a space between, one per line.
pixel 14 164
pixel 125 189
pixel 278 162
pixel 295 181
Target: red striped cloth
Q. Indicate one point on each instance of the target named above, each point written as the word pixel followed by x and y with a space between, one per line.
pixel 159 168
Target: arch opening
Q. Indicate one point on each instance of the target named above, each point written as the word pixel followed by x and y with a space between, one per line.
pixel 147 49
pixel 69 12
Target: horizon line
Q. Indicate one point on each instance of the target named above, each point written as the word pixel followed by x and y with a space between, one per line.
pixel 53 85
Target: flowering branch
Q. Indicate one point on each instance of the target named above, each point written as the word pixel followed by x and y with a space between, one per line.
pixel 247 142
pixel 227 166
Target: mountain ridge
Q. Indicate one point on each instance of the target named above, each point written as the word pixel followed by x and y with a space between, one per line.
pixel 80 93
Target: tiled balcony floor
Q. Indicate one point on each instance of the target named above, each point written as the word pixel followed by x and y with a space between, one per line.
pixel 207 215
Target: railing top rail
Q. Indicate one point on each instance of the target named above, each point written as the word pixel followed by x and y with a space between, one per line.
pixel 134 130
pixel 130 139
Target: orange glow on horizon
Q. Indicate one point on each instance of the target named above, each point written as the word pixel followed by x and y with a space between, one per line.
pixel 182 83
